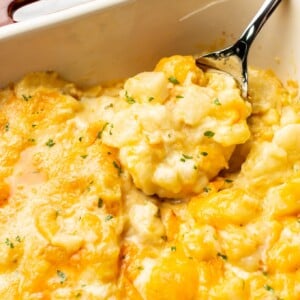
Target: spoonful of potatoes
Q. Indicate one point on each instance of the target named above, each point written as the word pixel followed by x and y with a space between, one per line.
pixel 233 59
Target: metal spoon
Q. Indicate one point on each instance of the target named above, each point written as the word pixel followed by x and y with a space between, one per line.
pixel 233 60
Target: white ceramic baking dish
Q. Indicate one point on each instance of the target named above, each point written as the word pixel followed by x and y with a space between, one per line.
pixel 108 40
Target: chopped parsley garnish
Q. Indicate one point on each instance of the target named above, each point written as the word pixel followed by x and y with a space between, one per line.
pixel 173 248
pixel 206 189
pixel 203 153
pixel 84 156
pixel 108 217
pixel 80 139
pixel 26 98
pixel 265 273
pixel 129 99
pixel 209 134
pixel 223 256
pixel 118 167
pixel 50 143
pixel 217 101
pixel 89 186
pixel 140 268
pixel 228 180
pixel 268 288
pixel 195 167
pixel 31 140
pixel 110 130
pixel 18 239
pixel 9 243
pixel 6 126
pixel 151 99
pixel 179 96
pixel 298 220
pixel 109 106
pixel 185 157
pixel 173 80
pixel 33 125
pixel 78 295
pixel 100 202
pixel 99 135
pixel 62 276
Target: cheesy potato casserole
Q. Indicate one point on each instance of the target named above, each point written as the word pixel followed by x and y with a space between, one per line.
pixel 166 186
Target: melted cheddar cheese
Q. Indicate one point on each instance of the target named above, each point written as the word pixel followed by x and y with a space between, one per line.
pixel 166 186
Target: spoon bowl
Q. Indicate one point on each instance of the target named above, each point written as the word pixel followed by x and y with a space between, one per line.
pixel 233 60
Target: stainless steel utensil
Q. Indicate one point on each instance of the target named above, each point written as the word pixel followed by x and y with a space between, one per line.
pixel 233 60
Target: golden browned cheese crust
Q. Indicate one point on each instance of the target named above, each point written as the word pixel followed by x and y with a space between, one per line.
pixel 166 186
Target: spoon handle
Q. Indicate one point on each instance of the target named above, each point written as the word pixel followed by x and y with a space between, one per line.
pixel 258 21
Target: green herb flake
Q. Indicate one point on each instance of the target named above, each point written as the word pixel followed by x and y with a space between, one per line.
pixel 265 273
pixel 26 98
pixel 50 143
pixel 203 153
pixel 129 99
pixel 187 156
pixel 80 139
pixel 209 134
pixel 62 276
pixel 223 256
pixel 173 248
pixel 118 167
pixel 228 180
pixel 179 97
pixel 108 218
pixel 195 167
pixel 33 125
pixel 100 203
pixel 150 99
pixel 99 135
pixel 9 243
pixel 18 239
pixel 31 140
pixel 217 102
pixel 268 288
pixel 140 268
pixel 84 156
pixel 206 189
pixel 173 80
pixel 182 159
pixel 89 186
pixel 109 106
pixel 78 295
pixel 6 127
pixel 110 130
